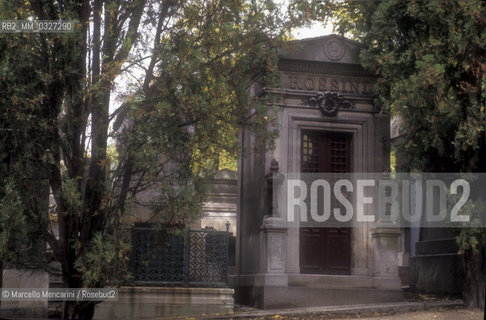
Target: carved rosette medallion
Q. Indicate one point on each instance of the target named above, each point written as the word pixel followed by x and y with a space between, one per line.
pixel 334 50
pixel 329 103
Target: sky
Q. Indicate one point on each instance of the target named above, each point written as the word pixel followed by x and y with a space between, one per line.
pixel 316 30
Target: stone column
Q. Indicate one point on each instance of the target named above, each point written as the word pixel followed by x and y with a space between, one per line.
pixel 385 260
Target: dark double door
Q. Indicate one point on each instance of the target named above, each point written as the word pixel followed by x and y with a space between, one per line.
pixel 327 249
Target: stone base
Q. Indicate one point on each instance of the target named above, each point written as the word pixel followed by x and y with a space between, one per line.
pixel 156 302
pixel 305 290
pixel 23 313
pixel 15 278
pixel 404 274
pixel 436 273
pixel 298 297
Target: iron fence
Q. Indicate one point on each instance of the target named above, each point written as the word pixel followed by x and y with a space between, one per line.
pixel 194 257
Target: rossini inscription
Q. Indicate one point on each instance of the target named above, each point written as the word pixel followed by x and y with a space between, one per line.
pixel 322 83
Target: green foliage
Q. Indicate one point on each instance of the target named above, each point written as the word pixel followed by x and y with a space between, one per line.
pixel 227 161
pixel 472 239
pixel 20 237
pixel 208 63
pixel 199 61
pixel 105 262
pixel 430 60
pixel 11 223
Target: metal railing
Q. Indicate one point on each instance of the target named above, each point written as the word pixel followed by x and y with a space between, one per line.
pixel 193 258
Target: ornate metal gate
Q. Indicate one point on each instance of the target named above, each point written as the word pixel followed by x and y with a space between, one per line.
pixel 195 257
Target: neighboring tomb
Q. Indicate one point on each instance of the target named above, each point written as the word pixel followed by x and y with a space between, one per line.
pixel 220 205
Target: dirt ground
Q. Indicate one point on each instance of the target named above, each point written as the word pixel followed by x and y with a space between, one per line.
pixel 428 315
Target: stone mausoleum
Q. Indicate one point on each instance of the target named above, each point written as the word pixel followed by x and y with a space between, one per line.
pixel 327 123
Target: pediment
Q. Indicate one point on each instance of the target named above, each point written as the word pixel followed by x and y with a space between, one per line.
pixel 225 174
pixel 330 48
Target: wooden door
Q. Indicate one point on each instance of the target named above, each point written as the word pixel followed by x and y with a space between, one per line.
pixel 325 250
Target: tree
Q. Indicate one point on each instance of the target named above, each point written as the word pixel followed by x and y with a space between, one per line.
pixel 192 63
pixel 430 59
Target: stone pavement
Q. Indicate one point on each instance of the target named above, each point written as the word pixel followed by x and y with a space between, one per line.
pixel 424 310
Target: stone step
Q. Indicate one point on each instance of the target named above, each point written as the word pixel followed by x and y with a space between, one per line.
pixel 299 297
pixel 343 311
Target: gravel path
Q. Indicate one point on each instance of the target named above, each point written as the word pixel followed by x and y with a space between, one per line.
pixel 438 315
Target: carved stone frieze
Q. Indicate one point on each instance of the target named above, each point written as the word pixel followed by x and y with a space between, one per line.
pixel 323 68
pixel 329 103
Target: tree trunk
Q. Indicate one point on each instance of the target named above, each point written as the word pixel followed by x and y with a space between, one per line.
pixel 473 292
pixel 83 310
pixel 1 278
pixel 75 309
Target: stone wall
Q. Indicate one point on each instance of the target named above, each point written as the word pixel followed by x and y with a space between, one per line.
pixel 156 302
pixel 15 278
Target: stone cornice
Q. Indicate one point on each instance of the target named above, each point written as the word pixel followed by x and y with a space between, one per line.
pixel 338 69
pixel 304 94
